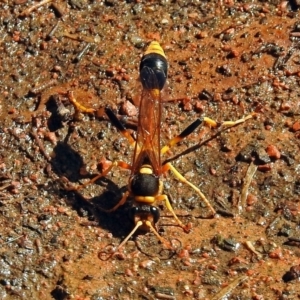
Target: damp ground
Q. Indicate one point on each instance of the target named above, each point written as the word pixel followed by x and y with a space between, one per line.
pixel 227 60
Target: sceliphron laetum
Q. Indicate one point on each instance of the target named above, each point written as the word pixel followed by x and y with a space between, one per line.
pixel 145 185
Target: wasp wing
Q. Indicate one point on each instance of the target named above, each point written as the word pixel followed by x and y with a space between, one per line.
pixel 147 149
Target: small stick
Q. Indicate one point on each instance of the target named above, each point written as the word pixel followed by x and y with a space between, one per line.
pixel 53 30
pixel 249 175
pixel 228 289
pixel 40 145
pixel 12 240
pixel 78 37
pixel 81 53
pixel 27 11
pixel 58 9
pixel 251 248
pixel 5 186
pixel 23 148
pixel 42 86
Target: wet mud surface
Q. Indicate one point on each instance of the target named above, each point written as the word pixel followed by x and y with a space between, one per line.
pixel 227 59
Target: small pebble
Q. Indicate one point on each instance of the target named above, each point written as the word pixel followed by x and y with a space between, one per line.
pixel 201 35
pixel 273 152
pixel 276 254
pixel 146 264
pixel 292 274
pixel 187 106
pixel 128 109
pixel 296 126
pixel 251 199
pixel 199 106
pixel 265 168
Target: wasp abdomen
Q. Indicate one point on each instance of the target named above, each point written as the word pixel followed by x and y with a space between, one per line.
pixel 154 62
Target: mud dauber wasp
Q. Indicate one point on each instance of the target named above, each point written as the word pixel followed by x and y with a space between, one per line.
pixel 145 185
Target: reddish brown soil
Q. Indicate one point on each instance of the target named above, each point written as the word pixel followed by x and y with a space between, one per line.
pixel 227 59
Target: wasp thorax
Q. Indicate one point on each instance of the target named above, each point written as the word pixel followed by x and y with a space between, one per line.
pixel 143 184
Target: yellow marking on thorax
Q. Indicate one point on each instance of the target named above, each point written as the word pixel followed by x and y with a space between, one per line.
pixel 144 199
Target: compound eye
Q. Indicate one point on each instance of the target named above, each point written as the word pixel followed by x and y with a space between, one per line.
pixel 155 213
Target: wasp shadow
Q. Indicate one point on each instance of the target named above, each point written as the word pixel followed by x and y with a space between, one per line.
pixel 117 222
pixel 66 163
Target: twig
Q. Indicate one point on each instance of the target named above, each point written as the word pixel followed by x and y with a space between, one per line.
pixel 40 145
pixel 43 86
pixel 12 240
pixel 81 53
pixel 251 248
pixel 78 37
pixel 27 11
pixel 22 147
pixel 249 175
pixel 225 292
pixel 5 186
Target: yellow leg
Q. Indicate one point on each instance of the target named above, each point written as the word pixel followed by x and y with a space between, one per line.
pixel 165 198
pixel 114 164
pixel 230 123
pixel 222 127
pixel 120 203
pixel 162 240
pixel 210 122
pixel 239 121
pixel 121 164
pixel 78 106
pixel 151 228
pixel 105 256
pixel 187 131
pixel 168 166
pixel 194 125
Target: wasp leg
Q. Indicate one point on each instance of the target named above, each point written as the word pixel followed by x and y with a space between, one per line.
pixel 79 107
pixel 223 127
pixel 191 128
pixel 181 136
pixel 168 166
pixel 210 122
pixel 120 203
pixel 116 122
pixel 239 121
pixel 165 198
pixel 120 164
pixel 166 243
pixel 103 255
pixel 196 123
pixel 229 123
pixel 151 228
